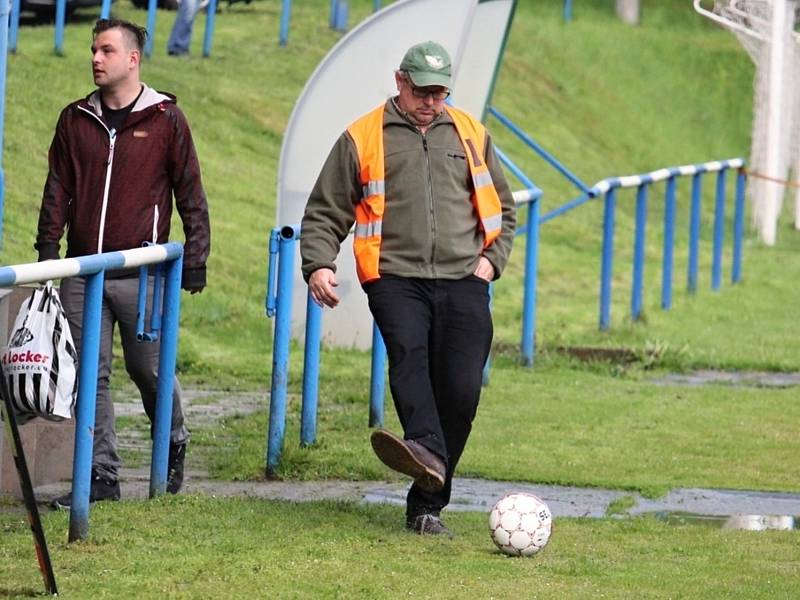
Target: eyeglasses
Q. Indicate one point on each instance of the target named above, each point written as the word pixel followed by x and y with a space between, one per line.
pixel 424 92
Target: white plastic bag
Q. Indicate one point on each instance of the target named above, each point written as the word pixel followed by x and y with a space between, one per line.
pixel 40 361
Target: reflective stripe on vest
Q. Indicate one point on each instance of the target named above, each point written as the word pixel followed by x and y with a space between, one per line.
pixel 484 195
pixel 367 135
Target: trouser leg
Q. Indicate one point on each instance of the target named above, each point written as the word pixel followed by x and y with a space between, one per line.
pixel 403 310
pixel 105 459
pixel 141 358
pixel 181 35
pixel 460 340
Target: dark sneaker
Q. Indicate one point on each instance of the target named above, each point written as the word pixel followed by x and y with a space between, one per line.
pixel 177 453
pixel 101 489
pixel 429 524
pixel 410 458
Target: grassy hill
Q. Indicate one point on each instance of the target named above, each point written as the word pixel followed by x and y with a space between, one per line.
pixel 606 98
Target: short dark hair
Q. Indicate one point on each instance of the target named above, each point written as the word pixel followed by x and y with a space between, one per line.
pixel 136 35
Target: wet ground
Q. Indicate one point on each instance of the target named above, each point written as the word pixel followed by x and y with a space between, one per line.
pixel 720 508
pixel 736 378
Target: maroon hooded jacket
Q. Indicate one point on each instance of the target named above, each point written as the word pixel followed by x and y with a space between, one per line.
pixel 113 190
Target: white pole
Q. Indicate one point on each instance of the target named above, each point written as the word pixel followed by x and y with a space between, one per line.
pixel 773 192
pixel 628 11
pixel 796 178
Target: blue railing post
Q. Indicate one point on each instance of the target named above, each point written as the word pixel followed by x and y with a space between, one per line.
pixel 377 386
pixel 274 246
pixel 669 245
pixel 376 5
pixel 607 259
pixel 738 228
pixel 167 357
pixel 638 252
pixel 719 231
pixel 567 10
pixel 308 421
pixel 528 344
pixel 61 17
pixel 211 20
pixel 286 15
pixel 87 400
pixel 105 10
pixel 694 232
pixel 14 26
pixel 280 349
pixel 341 16
pixel 3 68
pixel 151 27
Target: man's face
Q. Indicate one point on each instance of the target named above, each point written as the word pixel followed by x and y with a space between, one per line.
pixel 113 61
pixel 420 102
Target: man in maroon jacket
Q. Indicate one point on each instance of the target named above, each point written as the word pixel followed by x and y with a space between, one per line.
pixel 117 158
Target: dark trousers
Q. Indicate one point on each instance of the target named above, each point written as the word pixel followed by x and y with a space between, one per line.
pixel 437 334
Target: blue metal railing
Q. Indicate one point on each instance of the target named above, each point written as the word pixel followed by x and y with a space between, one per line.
pixel 93 269
pixel 3 67
pixel 338 20
pixel 643 182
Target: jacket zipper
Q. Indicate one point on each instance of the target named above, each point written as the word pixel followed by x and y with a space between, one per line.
pixel 112 138
pixel 431 208
pixel 155 224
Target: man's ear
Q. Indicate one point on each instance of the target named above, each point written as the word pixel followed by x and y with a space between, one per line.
pixel 134 59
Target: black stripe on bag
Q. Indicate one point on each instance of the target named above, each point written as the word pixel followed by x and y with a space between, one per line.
pixel 41 400
pixel 23 401
pixel 52 390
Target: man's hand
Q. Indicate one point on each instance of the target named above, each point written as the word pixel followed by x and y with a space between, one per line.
pixel 321 284
pixel 484 270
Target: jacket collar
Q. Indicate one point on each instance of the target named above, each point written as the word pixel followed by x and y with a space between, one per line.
pixel 149 97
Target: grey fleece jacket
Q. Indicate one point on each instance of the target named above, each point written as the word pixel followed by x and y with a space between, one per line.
pixel 430 227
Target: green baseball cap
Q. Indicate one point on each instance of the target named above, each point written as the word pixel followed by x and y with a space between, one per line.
pixel 427 64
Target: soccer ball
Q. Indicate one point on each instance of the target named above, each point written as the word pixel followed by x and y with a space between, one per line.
pixel 520 524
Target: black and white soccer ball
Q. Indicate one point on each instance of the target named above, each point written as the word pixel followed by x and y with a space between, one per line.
pixel 520 524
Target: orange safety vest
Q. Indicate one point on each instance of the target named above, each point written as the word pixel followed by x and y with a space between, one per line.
pixel 367 134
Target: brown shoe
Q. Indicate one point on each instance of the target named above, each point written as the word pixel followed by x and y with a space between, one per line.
pixel 410 458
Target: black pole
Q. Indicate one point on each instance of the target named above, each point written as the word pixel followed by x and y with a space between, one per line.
pixel 39 541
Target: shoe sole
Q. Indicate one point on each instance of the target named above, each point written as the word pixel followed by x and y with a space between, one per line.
pixel 392 452
pixel 56 505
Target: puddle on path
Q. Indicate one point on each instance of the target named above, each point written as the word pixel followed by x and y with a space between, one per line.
pixel 746 522
pixel 735 378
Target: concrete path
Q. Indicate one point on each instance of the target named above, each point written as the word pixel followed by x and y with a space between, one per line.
pixel 203 407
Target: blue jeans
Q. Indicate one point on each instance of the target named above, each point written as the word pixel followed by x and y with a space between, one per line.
pixel 181 35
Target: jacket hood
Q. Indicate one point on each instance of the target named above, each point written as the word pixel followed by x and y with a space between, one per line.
pixel 149 97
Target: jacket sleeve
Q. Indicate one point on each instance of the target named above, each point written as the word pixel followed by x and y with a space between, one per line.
pixel 498 252
pixel 58 192
pixel 330 210
pixel 190 200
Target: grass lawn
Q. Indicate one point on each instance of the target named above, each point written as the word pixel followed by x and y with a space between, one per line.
pixel 190 547
pixel 608 100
